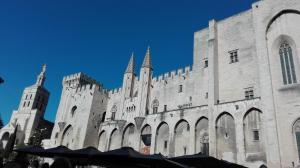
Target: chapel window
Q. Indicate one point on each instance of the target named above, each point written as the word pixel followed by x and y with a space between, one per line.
pixel 287 64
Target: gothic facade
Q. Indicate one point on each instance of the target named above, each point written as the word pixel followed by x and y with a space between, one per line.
pixel 239 101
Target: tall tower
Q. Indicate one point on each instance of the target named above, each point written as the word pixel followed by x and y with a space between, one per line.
pixel 128 80
pixel 30 113
pixel 144 84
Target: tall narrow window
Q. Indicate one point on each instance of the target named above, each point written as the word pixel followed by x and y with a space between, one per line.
pixel 205 63
pixel 113 115
pixel 165 108
pixel 287 64
pixel 155 105
pixel 73 110
pixel 180 89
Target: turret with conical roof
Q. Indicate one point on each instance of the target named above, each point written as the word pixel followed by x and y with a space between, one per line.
pixel 144 84
pixel 129 76
pixel 130 66
pixel 147 59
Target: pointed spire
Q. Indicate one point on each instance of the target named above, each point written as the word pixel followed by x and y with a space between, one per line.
pixel 130 66
pixel 147 59
pixel 41 78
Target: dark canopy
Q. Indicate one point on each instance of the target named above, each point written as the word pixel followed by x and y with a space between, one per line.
pixel 34 150
pixel 126 157
pixel 203 161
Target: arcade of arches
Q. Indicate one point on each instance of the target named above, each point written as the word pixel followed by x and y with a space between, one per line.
pixel 176 140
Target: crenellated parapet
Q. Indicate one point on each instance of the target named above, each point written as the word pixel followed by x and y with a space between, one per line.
pixel 91 87
pixel 169 76
pixel 115 91
pixel 78 79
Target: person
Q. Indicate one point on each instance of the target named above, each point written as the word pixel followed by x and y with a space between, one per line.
pixel 61 163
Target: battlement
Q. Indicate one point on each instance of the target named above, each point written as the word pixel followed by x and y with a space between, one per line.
pixel 115 91
pixel 86 87
pixel 79 79
pixel 173 74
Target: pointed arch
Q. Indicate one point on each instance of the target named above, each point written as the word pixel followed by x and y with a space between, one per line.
pixel 162 139
pixel 73 111
pixel 181 137
pixel 253 131
pixel 67 136
pixel 4 139
pixel 202 136
pixel 226 137
pixel 128 135
pixel 296 132
pixel 102 141
pixel 250 110
pixel 114 141
pixel 145 139
pixel 279 14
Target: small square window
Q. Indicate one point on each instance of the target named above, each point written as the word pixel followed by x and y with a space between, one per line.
pixel 249 93
pixel 256 135
pixel 233 56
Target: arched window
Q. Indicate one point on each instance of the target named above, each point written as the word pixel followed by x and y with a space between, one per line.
pixel 103 117
pixel 73 110
pixel 155 105
pixel 114 109
pixel 287 64
pixel 296 130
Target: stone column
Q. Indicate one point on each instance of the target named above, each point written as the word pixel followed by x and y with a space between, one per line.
pixel 213 84
pixel 240 143
pixel 192 147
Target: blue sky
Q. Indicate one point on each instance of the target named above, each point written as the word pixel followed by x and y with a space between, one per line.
pixel 96 37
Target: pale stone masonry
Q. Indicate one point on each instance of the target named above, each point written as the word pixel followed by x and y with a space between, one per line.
pixel 30 115
pixel 239 101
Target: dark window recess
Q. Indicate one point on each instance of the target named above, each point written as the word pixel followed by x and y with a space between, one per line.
pixel 205 148
pixel 155 110
pixel 103 117
pixel 256 135
pixel 165 107
pixel 249 94
pixel 205 63
pixel 180 89
pixel 113 115
pixel 165 144
pixel 298 142
pixel 234 56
